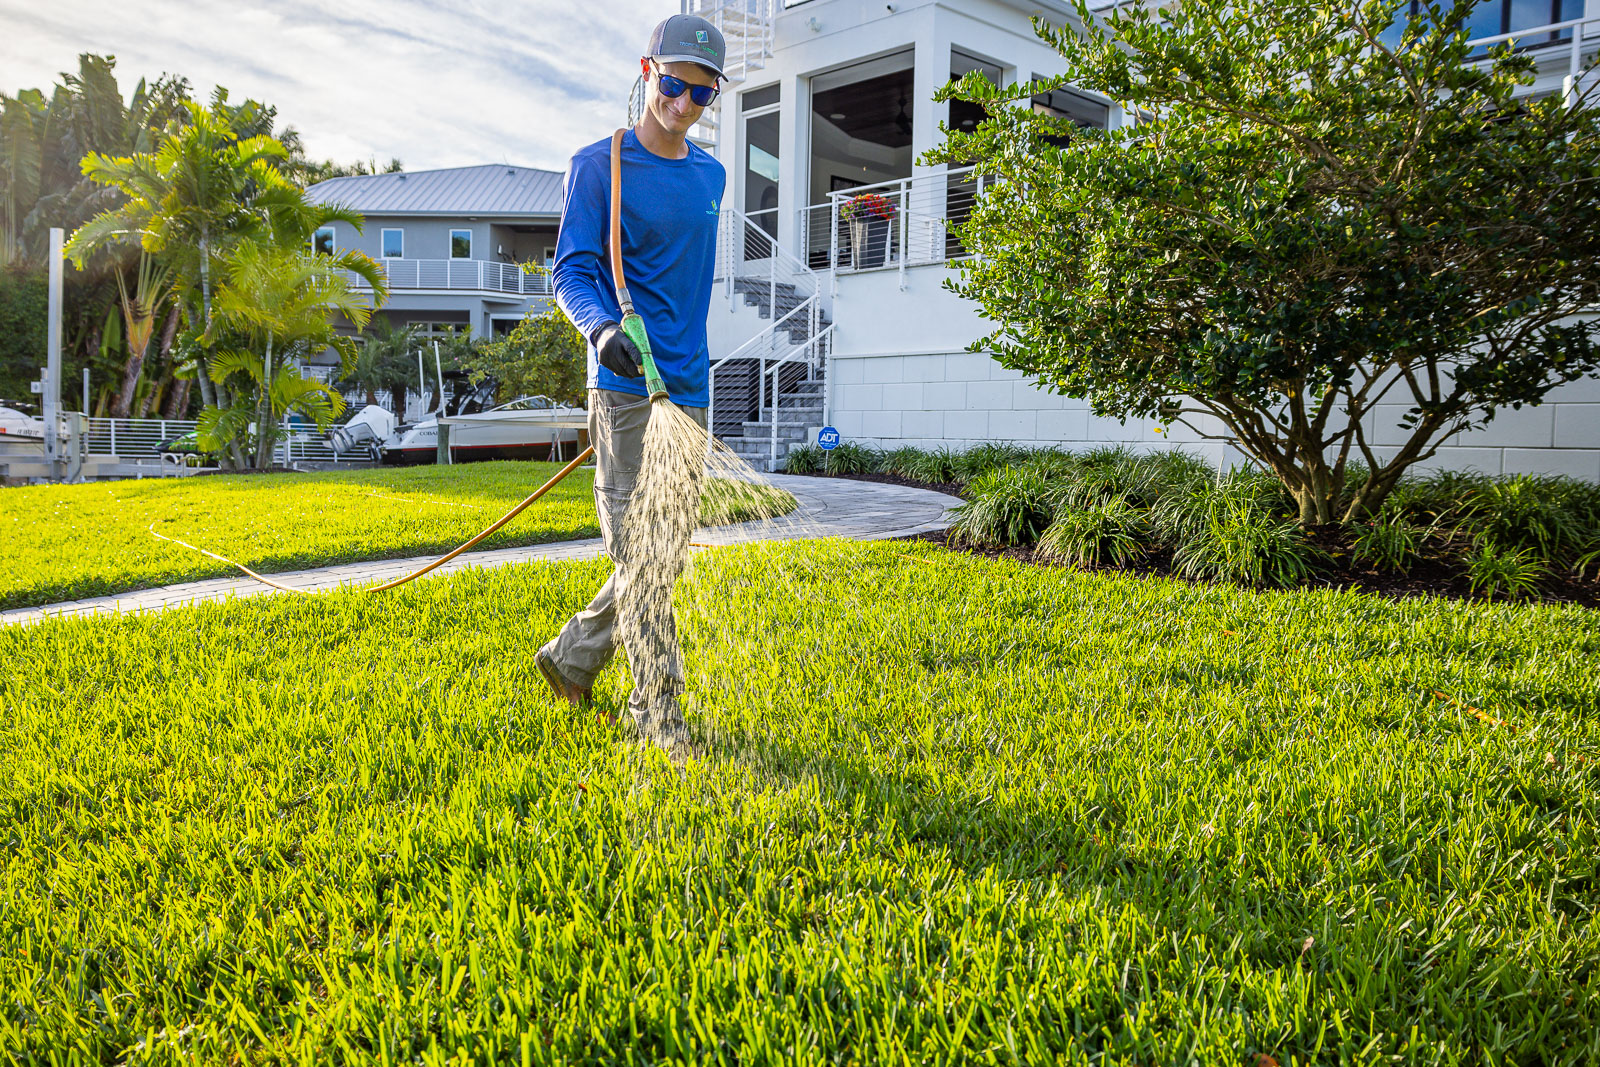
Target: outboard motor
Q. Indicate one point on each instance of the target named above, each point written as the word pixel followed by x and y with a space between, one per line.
pixel 369 426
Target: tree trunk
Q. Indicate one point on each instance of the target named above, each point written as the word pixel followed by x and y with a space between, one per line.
pixel 152 397
pixel 219 397
pixel 122 405
pixel 169 332
pixel 264 426
pixel 177 400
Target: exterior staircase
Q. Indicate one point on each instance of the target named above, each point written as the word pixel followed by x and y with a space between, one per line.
pixel 761 295
pixel 799 409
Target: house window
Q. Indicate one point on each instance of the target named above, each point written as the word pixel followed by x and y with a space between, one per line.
pixel 435 331
pixel 394 244
pixel 549 255
pixel 1083 111
pixel 322 241
pixel 460 244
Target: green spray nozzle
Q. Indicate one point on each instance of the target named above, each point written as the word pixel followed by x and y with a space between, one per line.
pixel 633 326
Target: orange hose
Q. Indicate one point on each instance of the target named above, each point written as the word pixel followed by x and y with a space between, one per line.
pixel 501 521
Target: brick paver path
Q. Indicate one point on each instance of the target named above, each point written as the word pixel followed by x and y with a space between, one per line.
pixel 829 507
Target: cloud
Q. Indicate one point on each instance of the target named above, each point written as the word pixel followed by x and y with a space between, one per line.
pixel 438 85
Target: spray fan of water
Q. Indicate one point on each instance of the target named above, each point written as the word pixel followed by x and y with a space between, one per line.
pixel 679 458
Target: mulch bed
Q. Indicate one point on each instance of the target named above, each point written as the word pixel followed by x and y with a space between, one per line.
pixel 1428 577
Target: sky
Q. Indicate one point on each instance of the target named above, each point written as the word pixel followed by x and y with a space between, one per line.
pixel 443 84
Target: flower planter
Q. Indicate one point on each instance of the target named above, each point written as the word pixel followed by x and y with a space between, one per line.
pixel 869 242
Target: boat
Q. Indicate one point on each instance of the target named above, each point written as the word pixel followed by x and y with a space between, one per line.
pixel 15 424
pixel 529 427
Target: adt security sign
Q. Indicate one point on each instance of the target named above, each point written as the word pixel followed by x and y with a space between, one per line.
pixel 827 438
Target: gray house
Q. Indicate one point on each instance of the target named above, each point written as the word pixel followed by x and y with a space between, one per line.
pixel 452 242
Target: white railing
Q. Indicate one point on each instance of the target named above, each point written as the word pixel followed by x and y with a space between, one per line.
pixel 469 274
pixel 917 230
pixel 143 438
pixel 754 268
pixel 1571 32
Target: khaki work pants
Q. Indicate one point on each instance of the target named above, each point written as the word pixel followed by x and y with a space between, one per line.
pixel 589 639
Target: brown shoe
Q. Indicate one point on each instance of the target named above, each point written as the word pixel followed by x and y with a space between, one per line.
pixel 578 696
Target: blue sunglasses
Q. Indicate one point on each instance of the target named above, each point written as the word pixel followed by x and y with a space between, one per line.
pixel 672 88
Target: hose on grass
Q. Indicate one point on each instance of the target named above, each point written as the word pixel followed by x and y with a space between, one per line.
pixel 501 521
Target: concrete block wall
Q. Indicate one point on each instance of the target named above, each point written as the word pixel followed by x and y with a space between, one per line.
pixel 959 399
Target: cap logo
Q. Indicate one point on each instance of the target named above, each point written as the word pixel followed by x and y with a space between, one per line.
pixel 700 36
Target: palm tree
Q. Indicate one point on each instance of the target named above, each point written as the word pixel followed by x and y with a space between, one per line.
pixel 280 301
pixel 387 361
pixel 22 120
pixel 139 326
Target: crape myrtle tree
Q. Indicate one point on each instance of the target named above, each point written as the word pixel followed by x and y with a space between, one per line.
pixel 1308 219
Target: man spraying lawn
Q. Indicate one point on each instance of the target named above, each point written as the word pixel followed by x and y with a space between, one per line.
pixel 646 492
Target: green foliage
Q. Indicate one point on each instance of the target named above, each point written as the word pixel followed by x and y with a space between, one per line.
pixel 851 458
pixel 1233 529
pixel 804 459
pixel 952 805
pixel 1388 540
pixel 1513 573
pixel 24 319
pixel 544 355
pixel 1006 506
pixel 1509 572
pixel 937 466
pixel 901 461
pixel 1303 223
pixel 1542 515
pixel 981 459
pixel 1106 533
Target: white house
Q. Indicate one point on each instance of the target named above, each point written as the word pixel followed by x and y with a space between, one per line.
pixel 837 95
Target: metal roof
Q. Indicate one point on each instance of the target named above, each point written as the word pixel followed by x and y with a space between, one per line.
pixel 490 189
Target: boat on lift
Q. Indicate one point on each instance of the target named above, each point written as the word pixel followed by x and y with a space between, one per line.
pixel 529 427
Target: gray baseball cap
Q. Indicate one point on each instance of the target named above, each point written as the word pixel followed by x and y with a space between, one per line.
pixel 689 39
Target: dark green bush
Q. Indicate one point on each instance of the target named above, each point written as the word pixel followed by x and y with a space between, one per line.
pixel 902 461
pixel 933 465
pixel 981 459
pixel 804 459
pixel 1540 514
pixel 1509 572
pixel 1111 532
pixel 851 458
pixel 1008 506
pixel 1388 540
pixel 1236 529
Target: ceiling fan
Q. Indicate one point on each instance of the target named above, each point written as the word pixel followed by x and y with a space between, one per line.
pixel 902 121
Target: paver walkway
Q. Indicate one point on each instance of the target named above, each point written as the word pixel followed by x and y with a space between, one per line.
pixel 828 507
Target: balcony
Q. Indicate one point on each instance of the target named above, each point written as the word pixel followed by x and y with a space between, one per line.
pixel 463 275
pixel 917 231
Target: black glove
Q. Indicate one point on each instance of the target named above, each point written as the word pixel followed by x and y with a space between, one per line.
pixel 618 354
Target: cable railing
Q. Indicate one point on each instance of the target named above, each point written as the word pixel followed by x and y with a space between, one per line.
pixel 904 222
pixel 749 382
pixel 481 275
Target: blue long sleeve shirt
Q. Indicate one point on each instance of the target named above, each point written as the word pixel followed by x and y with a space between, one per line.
pixel 669 248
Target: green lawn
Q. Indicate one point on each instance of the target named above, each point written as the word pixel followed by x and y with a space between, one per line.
pixel 70 542
pixel 960 810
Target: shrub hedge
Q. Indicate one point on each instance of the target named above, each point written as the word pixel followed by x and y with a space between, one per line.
pixel 1112 506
